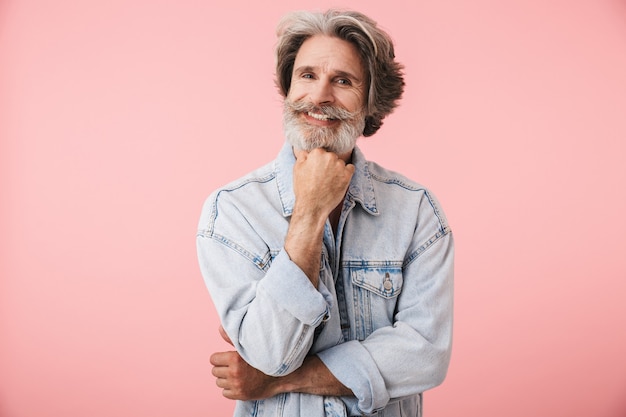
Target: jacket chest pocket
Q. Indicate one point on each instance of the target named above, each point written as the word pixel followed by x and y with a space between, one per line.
pixel 375 293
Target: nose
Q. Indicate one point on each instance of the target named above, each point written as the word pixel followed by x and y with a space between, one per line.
pixel 321 93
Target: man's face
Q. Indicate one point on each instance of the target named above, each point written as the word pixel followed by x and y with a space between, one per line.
pixel 325 105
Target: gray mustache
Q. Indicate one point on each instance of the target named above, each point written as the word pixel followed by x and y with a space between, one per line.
pixel 330 111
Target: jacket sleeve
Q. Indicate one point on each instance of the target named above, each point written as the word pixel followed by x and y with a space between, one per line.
pixel 413 354
pixel 266 304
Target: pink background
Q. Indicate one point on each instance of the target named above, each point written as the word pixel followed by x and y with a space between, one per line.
pixel 117 118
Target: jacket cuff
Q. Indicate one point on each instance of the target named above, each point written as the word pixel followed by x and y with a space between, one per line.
pixel 292 290
pixel 360 374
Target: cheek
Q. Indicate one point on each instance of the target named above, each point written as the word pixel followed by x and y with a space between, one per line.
pixel 354 101
pixel 296 92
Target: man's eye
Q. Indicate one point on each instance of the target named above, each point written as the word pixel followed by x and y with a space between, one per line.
pixel 307 75
pixel 344 81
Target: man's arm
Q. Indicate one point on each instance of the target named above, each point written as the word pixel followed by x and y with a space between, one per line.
pixel 240 381
pixel 271 302
pixel 321 179
pixel 320 182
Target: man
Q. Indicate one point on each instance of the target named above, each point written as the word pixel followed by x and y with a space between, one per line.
pixel 332 276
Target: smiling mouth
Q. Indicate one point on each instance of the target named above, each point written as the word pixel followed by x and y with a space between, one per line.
pixel 320 117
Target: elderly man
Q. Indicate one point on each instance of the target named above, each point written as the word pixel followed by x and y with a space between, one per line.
pixel 332 276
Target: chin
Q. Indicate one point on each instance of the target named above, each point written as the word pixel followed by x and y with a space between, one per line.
pixel 338 139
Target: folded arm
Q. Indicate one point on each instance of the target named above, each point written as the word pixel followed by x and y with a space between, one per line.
pixel 240 381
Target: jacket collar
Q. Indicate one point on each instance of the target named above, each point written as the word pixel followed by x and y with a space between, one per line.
pixel 361 189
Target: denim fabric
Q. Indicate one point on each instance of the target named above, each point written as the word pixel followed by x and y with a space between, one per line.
pixel 381 317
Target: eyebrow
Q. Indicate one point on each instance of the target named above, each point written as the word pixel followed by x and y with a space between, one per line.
pixel 337 73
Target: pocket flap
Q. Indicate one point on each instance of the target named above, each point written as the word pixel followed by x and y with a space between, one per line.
pixel 385 282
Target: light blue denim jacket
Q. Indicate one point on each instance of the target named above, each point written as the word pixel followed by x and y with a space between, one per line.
pixel 381 317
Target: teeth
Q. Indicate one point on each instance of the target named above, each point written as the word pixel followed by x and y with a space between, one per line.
pixel 319 116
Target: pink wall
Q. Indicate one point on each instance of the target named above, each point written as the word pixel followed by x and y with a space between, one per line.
pixel 117 118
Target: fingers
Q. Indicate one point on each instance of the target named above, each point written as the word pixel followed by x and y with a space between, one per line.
pixel 320 181
pixel 303 155
pixel 321 157
pixel 300 154
pixel 319 152
pixel 229 372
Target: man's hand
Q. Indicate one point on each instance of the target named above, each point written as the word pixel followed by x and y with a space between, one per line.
pixel 238 380
pixel 320 181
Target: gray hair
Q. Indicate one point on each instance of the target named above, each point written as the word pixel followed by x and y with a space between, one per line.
pixel 375 48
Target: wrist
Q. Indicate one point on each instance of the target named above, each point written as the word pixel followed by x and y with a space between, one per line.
pixel 288 383
pixel 305 226
pixel 309 215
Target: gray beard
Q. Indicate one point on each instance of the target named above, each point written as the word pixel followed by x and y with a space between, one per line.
pixel 338 139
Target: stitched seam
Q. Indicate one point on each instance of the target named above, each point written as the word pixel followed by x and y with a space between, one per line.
pixel 293 354
pixel 398 182
pixel 233 187
pixel 427 245
pixel 261 262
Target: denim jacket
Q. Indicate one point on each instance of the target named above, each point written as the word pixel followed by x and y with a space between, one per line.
pixel 381 316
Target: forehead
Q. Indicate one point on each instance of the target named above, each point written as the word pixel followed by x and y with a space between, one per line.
pixel 329 54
